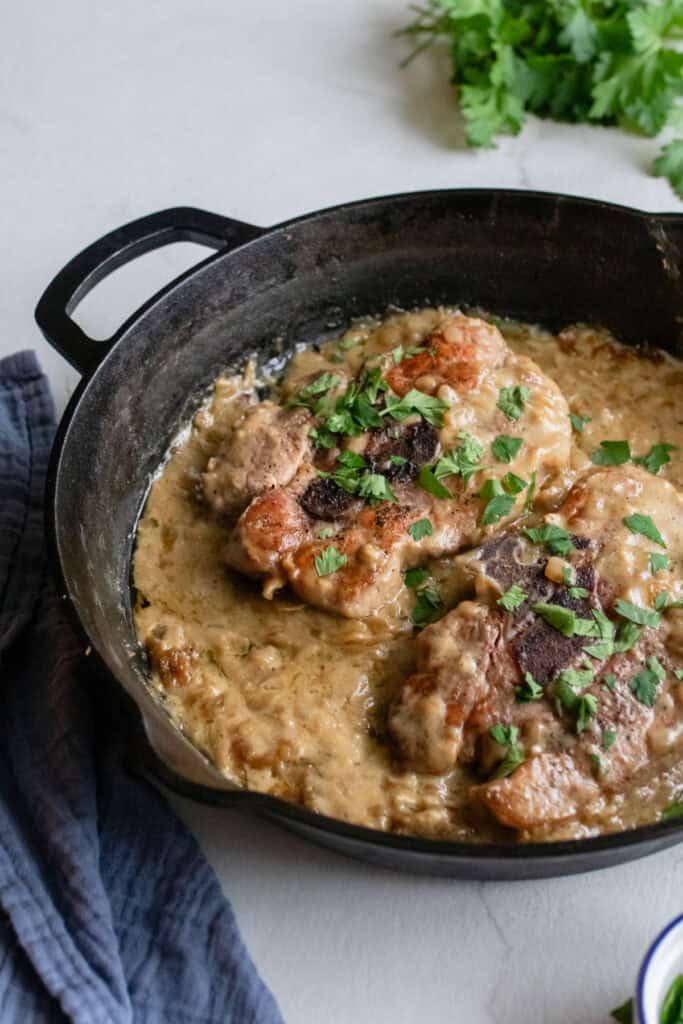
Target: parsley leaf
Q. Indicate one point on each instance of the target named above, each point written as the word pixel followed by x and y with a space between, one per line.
pixel 644 684
pixel 427 606
pixel 427 406
pixel 556 540
pixel 561 619
pixel 623 1014
pixel 347 343
pixel 609 738
pixel 513 484
pixel 461 461
pixel 587 709
pixel 322 383
pixel 512 598
pixel 633 612
pixel 352 460
pixel 500 505
pixel 375 488
pixel 669 164
pixel 529 691
pixel 507 736
pixel 415 577
pixel 511 401
pixel 658 562
pixel 421 528
pixel 504 448
pixel 657 457
pixel 578 422
pixel 672 812
pixel 329 561
pixel 611 453
pixel 326 533
pixel 428 482
pixel 643 525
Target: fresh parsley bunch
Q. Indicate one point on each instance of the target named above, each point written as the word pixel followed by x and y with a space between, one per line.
pixel 600 61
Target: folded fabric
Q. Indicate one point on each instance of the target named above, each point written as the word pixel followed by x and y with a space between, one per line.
pixel 111 913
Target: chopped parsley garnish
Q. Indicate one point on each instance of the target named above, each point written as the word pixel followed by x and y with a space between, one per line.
pixel 586 710
pixel 644 684
pixel 428 601
pixel 507 736
pixel 529 691
pixel 397 354
pixel 609 737
pixel 375 488
pixel 348 343
pixel 513 484
pixel 504 448
pixel 578 592
pixel 490 488
pixel 500 505
pixel 561 619
pixel 427 406
pixel 657 457
pixel 326 533
pixel 511 401
pixel 597 763
pixel 623 1014
pixel 329 561
pixel 422 528
pixel 556 540
pixel 567 575
pixel 607 645
pixel 397 460
pixel 678 672
pixel 321 438
pixel 672 812
pixel 612 453
pixel 531 491
pixel 322 383
pixel 427 606
pixel 428 482
pixel 415 577
pixel 583 706
pixel 578 422
pixel 352 459
pixel 661 601
pixel 643 525
pixel 462 461
pixel 352 475
pixel 610 681
pixel 658 562
pixel 512 598
pixel 633 612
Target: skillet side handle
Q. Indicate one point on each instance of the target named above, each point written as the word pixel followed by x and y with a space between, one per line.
pixel 113 250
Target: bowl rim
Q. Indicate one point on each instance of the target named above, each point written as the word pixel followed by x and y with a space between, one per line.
pixel 646 965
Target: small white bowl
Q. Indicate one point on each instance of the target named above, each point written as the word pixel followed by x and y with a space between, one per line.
pixel 662 963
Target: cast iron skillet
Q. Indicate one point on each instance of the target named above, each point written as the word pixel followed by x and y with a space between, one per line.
pixel 539 257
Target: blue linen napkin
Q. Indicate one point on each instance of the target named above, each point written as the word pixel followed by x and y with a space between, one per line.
pixel 111 913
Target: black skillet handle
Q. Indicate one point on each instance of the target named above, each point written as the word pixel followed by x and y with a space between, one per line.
pixel 83 272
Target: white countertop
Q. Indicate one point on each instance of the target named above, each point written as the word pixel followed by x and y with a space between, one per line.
pixel 264 110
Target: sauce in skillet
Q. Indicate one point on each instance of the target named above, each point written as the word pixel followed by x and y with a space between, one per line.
pixel 291 700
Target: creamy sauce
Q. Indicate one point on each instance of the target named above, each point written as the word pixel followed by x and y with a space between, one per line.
pixel 290 700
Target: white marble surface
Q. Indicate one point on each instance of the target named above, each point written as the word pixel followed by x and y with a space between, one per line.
pixel 264 110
